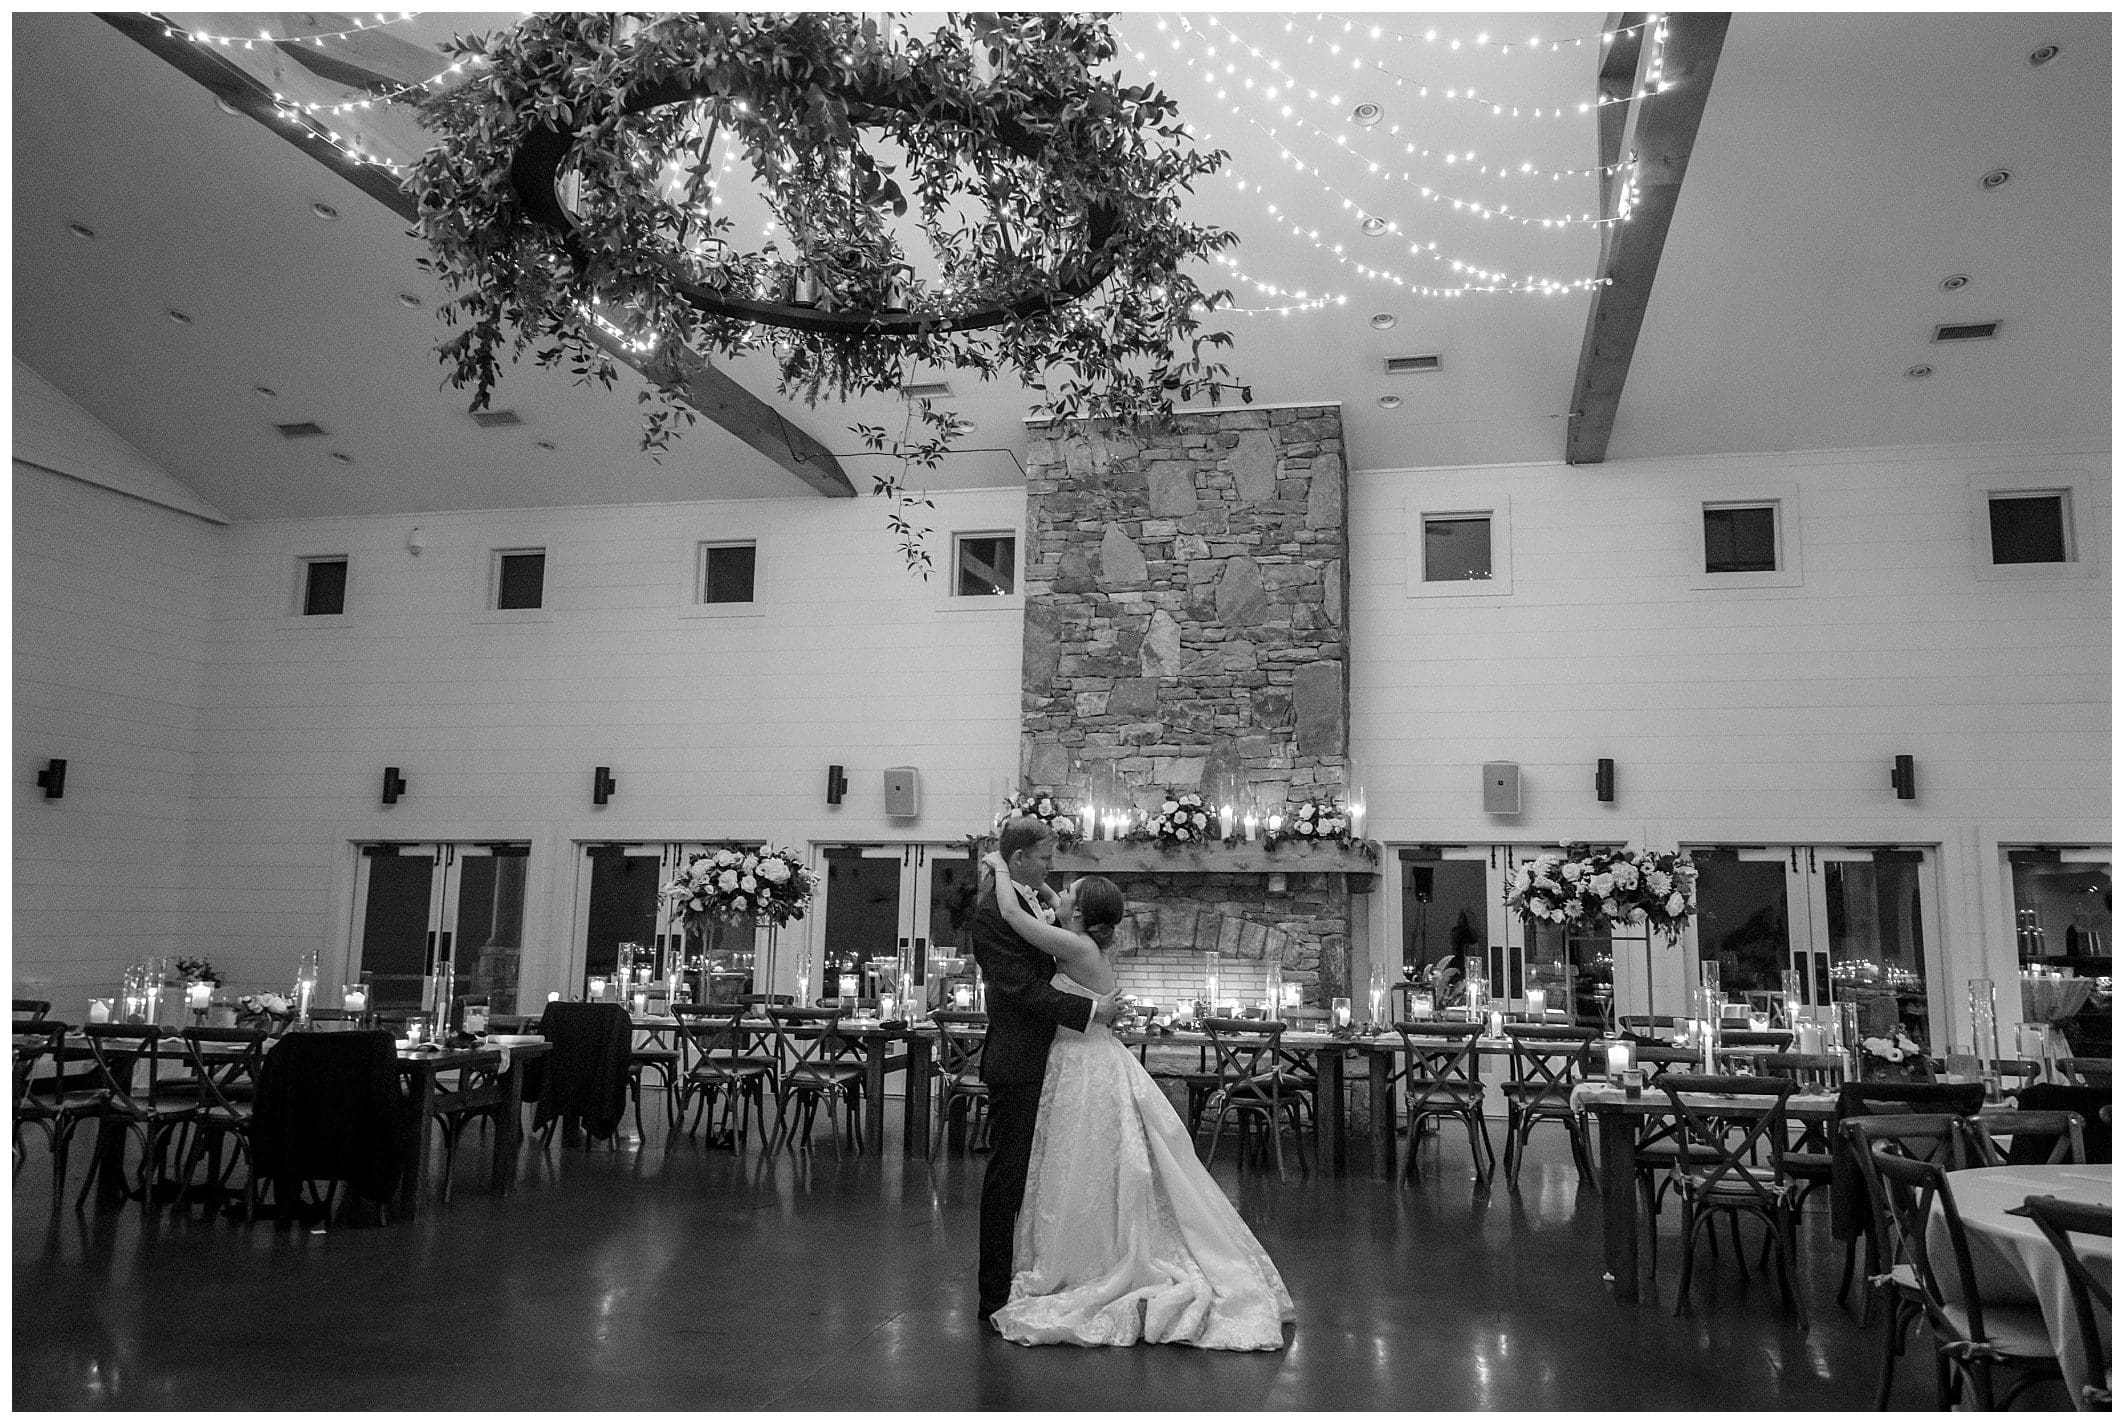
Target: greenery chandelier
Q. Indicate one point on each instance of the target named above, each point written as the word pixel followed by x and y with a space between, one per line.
pixel 573 193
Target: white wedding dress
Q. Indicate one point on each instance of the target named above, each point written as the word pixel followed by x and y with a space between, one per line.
pixel 1124 1236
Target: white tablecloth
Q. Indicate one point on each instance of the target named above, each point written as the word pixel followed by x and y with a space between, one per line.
pixel 2014 1261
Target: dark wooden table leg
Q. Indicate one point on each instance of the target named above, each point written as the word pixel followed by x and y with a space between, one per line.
pixel 914 1138
pixel 875 1052
pixel 509 1131
pixel 1385 1115
pixel 1327 1111
pixel 413 1140
pixel 110 1163
pixel 1618 1200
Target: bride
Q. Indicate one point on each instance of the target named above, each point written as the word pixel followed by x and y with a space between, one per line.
pixel 1123 1236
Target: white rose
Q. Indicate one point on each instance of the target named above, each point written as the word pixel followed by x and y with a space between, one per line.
pixel 1169 807
pixel 1637 914
pixel 776 871
pixel 726 857
pixel 1676 904
pixel 728 880
pixel 1625 876
pixel 1571 870
pixel 1181 833
pixel 1522 880
pixel 748 884
pixel 1064 826
pixel 1602 885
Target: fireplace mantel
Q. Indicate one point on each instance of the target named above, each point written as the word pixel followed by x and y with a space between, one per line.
pixel 1246 858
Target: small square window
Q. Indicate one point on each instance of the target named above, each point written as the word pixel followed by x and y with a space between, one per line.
pixel 324 587
pixel 520 578
pixel 1740 539
pixel 1456 547
pixel 2029 528
pixel 727 572
pixel 985 564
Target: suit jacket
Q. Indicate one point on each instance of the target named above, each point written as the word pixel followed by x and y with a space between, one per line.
pixel 329 1106
pixel 586 1069
pixel 1023 1008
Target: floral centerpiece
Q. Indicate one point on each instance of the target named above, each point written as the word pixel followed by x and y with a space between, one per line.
pixel 198 971
pixel 1057 815
pixel 1327 820
pixel 1183 820
pixel 770 886
pixel 1602 890
pixel 264 1011
pixel 1895 1057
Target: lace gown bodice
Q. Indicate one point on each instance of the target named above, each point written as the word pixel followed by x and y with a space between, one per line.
pixel 1124 1236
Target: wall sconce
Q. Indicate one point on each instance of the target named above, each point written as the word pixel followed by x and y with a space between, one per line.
pixel 602 786
pixel 394 786
pixel 1904 778
pixel 53 778
pixel 1604 779
pixel 836 785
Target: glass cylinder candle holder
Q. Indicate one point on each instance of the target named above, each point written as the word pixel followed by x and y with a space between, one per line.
pixel 886 1004
pixel 1340 1008
pixel 597 989
pixel 1758 1020
pixel 1537 1004
pixel 197 995
pixel 354 997
pixel 848 992
pixel 1622 1057
pixel 1984 1022
pixel 641 1002
pixel 1422 1006
pixel 962 996
pixel 99 1011
pixel 416 1030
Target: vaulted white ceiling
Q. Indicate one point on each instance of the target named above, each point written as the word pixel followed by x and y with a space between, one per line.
pixel 1835 183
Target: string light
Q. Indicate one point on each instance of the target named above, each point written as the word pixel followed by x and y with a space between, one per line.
pixel 264 37
pixel 433 81
pixel 1302 302
pixel 348 147
pixel 1467 94
pixel 1467 159
pixel 1351 23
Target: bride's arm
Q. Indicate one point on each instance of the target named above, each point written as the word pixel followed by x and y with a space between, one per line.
pixel 1075 954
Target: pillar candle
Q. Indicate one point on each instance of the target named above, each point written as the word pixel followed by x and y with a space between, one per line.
pixel 354 997
pixel 1224 822
pixel 1537 1003
pixel 848 991
pixel 199 995
pixel 962 997
pixel 1249 821
pixel 1497 1023
pixel 99 1011
pixel 1810 1038
pixel 1621 1058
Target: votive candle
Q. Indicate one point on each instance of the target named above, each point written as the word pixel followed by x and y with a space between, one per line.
pixel 1622 1057
pixel 354 997
pixel 886 1004
pixel 99 1011
pixel 1249 821
pixel 962 996
pixel 199 995
pixel 597 991
pixel 1537 1004
pixel 848 991
pixel 1497 1023
pixel 1341 1009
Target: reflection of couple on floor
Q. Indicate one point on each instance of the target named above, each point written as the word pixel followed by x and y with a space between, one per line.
pixel 1099 1225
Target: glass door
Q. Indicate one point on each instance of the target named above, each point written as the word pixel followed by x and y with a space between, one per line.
pixel 419 902
pixel 1872 915
pixel 1452 918
pixel 1752 918
pixel 618 903
pixel 885 901
pixel 2061 943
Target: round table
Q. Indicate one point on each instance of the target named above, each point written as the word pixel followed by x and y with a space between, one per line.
pixel 2014 1262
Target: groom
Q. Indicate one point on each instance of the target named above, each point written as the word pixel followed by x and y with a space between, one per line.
pixel 1023 1012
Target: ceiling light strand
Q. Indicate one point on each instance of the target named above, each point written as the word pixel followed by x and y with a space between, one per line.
pixel 172 29
pixel 1353 24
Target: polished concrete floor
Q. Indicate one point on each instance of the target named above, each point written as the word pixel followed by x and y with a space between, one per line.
pixel 677 1276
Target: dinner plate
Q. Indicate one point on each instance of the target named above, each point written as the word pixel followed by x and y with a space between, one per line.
pixel 512 1040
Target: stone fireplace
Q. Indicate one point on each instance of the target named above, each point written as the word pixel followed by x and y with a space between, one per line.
pixel 1184 603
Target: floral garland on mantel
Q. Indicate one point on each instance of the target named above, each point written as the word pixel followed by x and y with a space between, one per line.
pixel 1016 153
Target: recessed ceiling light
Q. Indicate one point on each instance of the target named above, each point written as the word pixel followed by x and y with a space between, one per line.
pixel 1954 283
pixel 1374 226
pixel 82 230
pixel 1366 115
pixel 266 392
pixel 1382 321
pixel 1918 373
pixel 1996 178
pixel 226 107
pixel 325 211
pixel 342 457
pixel 2043 54
pixel 968 427
pixel 181 318
pixel 1390 402
pixel 407 299
pixel 545 445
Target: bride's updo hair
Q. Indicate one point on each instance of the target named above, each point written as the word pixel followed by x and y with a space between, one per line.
pixel 1099 902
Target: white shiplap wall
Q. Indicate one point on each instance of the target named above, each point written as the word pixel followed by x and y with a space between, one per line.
pixel 1742 715
pixel 713 726
pixel 113 580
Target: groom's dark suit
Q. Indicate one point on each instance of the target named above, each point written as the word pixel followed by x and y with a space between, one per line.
pixel 1023 1012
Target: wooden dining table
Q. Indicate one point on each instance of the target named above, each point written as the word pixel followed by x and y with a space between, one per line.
pixel 1324 1053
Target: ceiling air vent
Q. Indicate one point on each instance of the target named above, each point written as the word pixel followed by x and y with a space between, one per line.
pixel 927 390
pixel 300 429
pixel 1966 331
pixel 491 419
pixel 1410 365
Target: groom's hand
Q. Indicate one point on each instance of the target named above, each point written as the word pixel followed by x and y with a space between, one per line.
pixel 1109 1010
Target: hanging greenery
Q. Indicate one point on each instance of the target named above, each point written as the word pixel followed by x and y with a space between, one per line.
pixel 1046 193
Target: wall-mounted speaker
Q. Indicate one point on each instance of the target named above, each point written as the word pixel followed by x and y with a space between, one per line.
pixel 1500 788
pixel 903 791
pixel 1604 779
pixel 53 778
pixel 836 785
pixel 394 786
pixel 1903 777
pixel 602 786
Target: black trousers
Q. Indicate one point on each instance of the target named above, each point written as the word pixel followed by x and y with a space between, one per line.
pixel 1013 1112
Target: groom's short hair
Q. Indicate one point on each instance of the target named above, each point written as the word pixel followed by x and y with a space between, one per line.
pixel 1022 833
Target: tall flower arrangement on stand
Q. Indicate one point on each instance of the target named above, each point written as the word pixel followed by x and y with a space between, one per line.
pixel 770 886
pixel 1603 890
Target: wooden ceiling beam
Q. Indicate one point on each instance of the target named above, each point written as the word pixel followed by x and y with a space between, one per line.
pixel 713 393
pixel 1660 131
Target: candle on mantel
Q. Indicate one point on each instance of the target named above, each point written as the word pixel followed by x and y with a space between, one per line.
pixel 1357 815
pixel 1249 821
pixel 1224 822
pixel 1275 822
pixel 1091 821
